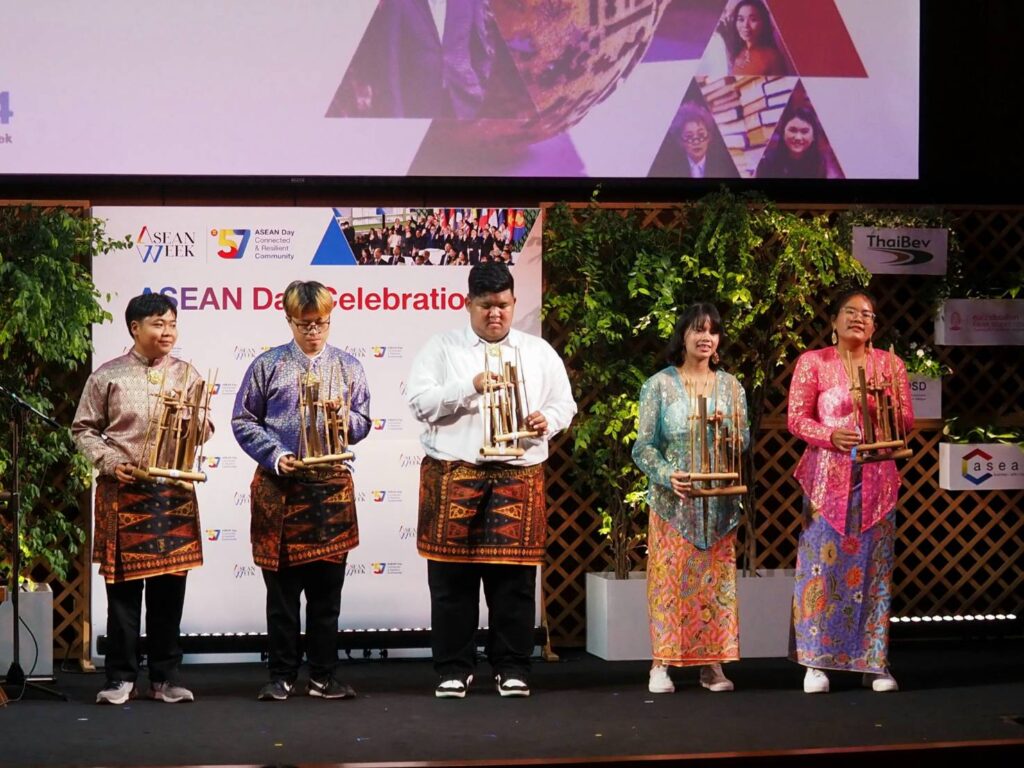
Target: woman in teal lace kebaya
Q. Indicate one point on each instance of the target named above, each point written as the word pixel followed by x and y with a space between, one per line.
pixel 691 566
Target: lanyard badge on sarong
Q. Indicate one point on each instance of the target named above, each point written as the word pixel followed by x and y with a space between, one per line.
pixel 505 406
pixel 172 451
pixel 878 412
pixel 324 408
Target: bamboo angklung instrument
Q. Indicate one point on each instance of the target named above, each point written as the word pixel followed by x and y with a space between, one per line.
pixel 324 409
pixel 505 405
pixel 716 450
pixel 878 413
pixel 175 433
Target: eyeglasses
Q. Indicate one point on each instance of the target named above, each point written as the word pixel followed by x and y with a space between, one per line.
pixel 864 314
pixel 310 328
pixel 694 138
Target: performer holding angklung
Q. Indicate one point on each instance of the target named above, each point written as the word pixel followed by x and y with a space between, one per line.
pixel 141 420
pixel 490 397
pixel 850 482
pixel 690 441
pixel 298 409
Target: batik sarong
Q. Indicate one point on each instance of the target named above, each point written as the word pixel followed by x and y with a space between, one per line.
pixel 304 517
pixel 145 529
pixel 691 596
pixel 843 588
pixel 482 513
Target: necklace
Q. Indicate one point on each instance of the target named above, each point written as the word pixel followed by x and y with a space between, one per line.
pixel 695 387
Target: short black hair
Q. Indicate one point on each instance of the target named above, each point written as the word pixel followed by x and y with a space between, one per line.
pixel 490 277
pixel 693 318
pixel 147 305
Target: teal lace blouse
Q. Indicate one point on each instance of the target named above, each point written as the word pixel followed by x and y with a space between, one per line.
pixel 663 446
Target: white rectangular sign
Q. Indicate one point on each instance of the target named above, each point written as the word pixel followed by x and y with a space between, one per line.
pixel 980 322
pixel 901 251
pixel 926 395
pixel 980 466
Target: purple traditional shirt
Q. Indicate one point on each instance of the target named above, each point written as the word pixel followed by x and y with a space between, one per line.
pixel 819 403
pixel 266 415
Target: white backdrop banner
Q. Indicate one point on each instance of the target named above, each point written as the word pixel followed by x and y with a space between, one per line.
pixel 226 268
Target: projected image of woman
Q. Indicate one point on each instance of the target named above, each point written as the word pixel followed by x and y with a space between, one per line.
pixel 799 150
pixel 751 42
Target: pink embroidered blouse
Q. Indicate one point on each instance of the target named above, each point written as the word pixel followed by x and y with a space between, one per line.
pixel 820 402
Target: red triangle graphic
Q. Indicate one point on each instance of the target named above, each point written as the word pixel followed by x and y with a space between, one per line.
pixel 816 38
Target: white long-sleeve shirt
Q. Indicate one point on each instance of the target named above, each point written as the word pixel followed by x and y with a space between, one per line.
pixel 441 394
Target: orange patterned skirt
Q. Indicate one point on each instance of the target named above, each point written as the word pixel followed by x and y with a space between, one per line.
pixel 691 597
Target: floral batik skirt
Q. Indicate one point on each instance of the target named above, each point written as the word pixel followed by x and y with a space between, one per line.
pixel 843 592
pixel 691 596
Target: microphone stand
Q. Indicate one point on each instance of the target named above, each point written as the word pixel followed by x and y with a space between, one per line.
pixel 15 674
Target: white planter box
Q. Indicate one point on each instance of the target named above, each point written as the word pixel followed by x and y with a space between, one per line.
pixel 618 628
pixel 766 608
pixel 35 609
pixel 980 466
pixel 926 395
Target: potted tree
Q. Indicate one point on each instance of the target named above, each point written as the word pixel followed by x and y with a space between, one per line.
pixel 48 304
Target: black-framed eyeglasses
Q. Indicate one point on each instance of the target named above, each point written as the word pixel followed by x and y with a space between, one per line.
pixel 318 326
pixel 695 138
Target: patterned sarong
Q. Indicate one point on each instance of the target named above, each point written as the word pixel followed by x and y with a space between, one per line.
pixel 145 529
pixel 691 595
pixel 300 519
pixel 843 592
pixel 482 513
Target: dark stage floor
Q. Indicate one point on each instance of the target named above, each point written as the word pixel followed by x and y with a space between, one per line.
pixel 582 707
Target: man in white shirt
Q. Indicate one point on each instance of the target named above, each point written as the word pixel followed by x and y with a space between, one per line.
pixel 483 518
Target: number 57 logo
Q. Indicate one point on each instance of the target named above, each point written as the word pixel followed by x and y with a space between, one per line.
pixel 228 240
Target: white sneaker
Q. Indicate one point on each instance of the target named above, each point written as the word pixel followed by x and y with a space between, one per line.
pixel 659 681
pixel 713 678
pixel 116 692
pixel 815 681
pixel 170 693
pixel 880 682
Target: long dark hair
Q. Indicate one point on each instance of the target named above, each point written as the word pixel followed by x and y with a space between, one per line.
pixel 812 163
pixel 734 44
pixel 693 319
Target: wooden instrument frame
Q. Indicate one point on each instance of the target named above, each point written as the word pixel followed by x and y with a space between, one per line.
pixel 718 450
pixel 172 449
pixel 505 406
pixel 879 422
pixel 328 445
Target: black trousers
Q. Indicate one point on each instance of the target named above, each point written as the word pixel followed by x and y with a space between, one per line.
pixel 322 583
pixel 455 615
pixel 165 598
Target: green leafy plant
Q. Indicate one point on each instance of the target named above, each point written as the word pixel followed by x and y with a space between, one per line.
pixel 956 431
pixel 616 285
pixel 48 304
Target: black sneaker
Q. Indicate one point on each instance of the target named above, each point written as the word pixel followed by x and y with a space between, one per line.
pixel 275 690
pixel 329 689
pixel 453 687
pixel 510 685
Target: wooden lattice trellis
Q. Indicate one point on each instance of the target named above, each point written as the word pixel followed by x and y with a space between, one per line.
pixel 956 552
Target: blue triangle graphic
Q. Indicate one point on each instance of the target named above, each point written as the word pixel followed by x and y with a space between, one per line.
pixel 334 249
